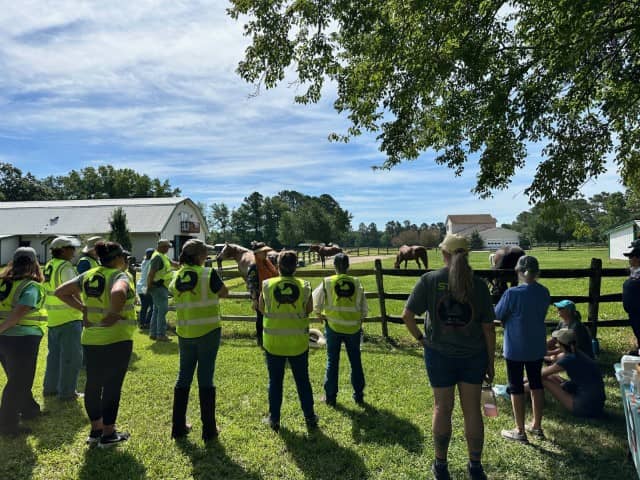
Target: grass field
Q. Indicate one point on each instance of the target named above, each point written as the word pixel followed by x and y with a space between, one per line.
pixel 390 439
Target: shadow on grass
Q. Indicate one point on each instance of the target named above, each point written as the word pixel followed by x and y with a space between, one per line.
pixel 17 458
pixel 383 427
pixel 211 461
pixel 320 457
pixel 109 464
pixel 165 348
pixel 132 361
pixel 61 422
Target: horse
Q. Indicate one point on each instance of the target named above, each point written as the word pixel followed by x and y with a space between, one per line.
pixel 505 258
pixel 325 251
pixel 243 257
pixel 413 252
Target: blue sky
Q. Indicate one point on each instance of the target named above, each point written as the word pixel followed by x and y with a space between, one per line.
pixel 150 85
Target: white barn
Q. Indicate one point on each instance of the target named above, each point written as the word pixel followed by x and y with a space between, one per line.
pixel 621 236
pixel 36 224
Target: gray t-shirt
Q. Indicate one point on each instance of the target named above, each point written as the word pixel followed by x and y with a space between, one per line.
pixel 451 327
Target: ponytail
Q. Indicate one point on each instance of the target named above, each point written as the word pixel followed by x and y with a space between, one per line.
pixel 460 277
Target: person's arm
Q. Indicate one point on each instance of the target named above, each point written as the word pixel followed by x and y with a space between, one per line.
pixel 261 303
pixel 409 319
pixel 118 299
pixel 502 308
pixel 69 293
pixel 490 339
pixel 318 298
pixel 151 277
pixel 551 370
pixel 217 286
pixel 14 317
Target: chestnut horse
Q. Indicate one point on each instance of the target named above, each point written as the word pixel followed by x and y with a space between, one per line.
pixel 243 257
pixel 413 252
pixel 505 258
pixel 324 251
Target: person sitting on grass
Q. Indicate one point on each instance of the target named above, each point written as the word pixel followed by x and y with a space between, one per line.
pixel 583 394
pixel 569 318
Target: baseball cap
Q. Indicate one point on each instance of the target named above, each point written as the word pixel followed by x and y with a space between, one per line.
pixel 454 242
pixel 195 246
pixel 528 265
pixel 635 249
pixel 565 304
pixel 565 336
pixel 63 242
pixel 163 242
pixel 91 242
pixel 24 252
pixel 149 251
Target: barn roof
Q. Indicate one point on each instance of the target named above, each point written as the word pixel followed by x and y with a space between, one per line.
pixel 76 217
pixel 470 219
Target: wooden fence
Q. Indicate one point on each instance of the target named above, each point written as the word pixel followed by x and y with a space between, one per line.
pixel 594 298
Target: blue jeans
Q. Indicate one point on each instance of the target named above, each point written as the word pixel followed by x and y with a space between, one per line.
pixel 200 352
pixel 64 360
pixel 146 310
pixel 300 370
pixel 352 345
pixel 160 296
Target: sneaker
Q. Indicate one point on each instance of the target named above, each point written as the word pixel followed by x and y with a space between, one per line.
pixel 94 437
pixel 114 439
pixel 163 338
pixel 476 472
pixel 275 426
pixel 514 435
pixel 74 396
pixel 312 422
pixel 536 432
pixel 330 402
pixel 440 471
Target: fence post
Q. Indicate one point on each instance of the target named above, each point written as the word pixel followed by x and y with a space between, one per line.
pixel 595 281
pixel 381 299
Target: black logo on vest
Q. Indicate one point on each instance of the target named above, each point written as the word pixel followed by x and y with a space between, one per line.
pixel 453 315
pixel 47 273
pixel 187 281
pixel 286 293
pixel 94 286
pixel 5 289
pixel 344 288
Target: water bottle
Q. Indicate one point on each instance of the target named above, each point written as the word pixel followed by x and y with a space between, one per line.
pixel 595 347
pixel 488 400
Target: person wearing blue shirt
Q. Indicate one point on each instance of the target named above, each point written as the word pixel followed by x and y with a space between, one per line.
pixel 522 310
pixel 146 301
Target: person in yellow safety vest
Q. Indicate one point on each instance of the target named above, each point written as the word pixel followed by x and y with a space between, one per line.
pixel 286 302
pixel 159 277
pixel 196 291
pixel 23 321
pixel 65 324
pixel 339 300
pixel 89 258
pixel 108 306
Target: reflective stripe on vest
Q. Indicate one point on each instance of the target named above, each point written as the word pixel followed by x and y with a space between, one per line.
pixel 36 317
pixel 59 312
pixel 197 309
pixel 286 324
pixel 96 295
pixel 342 313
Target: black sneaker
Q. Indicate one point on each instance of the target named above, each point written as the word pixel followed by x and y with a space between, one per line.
pixel 330 402
pixel 476 472
pixel 440 471
pixel 94 437
pixel 114 439
pixel 312 422
pixel 275 426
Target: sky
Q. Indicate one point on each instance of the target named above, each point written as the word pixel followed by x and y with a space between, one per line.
pixel 151 85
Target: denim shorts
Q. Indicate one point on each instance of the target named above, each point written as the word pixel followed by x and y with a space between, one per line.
pixel 445 371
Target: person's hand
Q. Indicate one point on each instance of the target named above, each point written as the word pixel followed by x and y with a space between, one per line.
pixel 490 373
pixel 110 319
pixel 85 317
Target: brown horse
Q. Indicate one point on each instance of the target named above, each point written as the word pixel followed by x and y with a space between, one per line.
pixel 325 251
pixel 505 258
pixel 243 257
pixel 413 252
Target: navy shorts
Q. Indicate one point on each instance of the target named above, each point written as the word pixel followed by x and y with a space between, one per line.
pixel 445 371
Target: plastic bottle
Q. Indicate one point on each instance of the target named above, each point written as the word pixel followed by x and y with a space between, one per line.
pixel 595 347
pixel 488 400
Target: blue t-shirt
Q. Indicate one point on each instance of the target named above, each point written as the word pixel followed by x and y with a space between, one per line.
pixel 522 310
pixel 584 373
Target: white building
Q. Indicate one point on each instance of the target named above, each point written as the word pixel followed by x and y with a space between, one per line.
pixel 494 238
pixel 36 224
pixel 621 236
pixel 467 224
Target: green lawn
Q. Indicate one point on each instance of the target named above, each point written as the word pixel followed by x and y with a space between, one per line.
pixel 390 439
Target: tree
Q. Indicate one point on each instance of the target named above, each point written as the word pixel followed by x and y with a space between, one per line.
pixel 476 78
pixel 219 217
pixel 16 187
pixel 119 230
pixel 476 242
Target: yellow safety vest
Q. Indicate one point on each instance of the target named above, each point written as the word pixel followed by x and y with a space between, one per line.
pixel 343 295
pixel 92 261
pixel 197 307
pixel 10 292
pixel 96 295
pixel 286 323
pixel 166 272
pixel 59 312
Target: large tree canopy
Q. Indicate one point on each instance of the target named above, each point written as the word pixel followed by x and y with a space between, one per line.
pixel 477 77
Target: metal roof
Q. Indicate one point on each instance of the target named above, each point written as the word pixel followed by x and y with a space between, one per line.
pixel 75 217
pixel 472 219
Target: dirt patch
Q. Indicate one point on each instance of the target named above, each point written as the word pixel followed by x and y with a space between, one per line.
pixel 353 259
